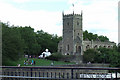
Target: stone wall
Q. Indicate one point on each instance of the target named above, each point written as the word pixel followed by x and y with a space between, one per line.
pixel 97 44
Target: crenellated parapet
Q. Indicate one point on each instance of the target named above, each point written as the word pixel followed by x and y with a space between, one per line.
pixel 72 14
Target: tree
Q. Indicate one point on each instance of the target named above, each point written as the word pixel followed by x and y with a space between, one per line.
pixel 85 34
pixel 103 38
pixel 29 36
pixel 103 55
pixel 94 37
pixel 47 41
pixel 90 55
pixel 12 44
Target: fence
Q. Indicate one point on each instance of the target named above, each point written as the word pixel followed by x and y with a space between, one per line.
pixel 57 72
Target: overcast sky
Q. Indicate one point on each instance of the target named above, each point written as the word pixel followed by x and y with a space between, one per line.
pixel 99 16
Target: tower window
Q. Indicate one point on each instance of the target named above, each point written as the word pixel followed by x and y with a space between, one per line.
pixel 77 23
pixel 68 47
pixel 68 23
pixel 78 33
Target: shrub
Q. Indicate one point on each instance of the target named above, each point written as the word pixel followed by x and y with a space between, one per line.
pixel 60 57
pixel 55 56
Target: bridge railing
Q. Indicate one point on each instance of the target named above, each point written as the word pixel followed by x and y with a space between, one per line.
pixel 58 72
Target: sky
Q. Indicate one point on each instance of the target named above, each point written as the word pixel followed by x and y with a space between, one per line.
pixel 99 16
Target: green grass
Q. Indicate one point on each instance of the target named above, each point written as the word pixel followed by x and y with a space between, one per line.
pixel 40 62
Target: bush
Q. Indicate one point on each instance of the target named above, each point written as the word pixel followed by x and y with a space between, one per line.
pixel 60 57
pixel 55 56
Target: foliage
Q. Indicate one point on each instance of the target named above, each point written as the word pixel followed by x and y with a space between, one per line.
pixel 103 55
pixel 18 41
pixel 55 56
pixel 60 57
pixel 90 55
pixel 12 44
pixel 47 41
pixel 103 38
pixel 94 37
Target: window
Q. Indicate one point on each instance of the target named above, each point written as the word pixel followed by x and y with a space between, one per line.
pixel 68 23
pixel 68 47
pixel 77 23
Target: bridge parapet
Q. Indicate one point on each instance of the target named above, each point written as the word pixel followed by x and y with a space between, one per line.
pixel 58 72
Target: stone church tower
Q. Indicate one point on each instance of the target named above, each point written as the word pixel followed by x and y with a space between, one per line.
pixel 72 42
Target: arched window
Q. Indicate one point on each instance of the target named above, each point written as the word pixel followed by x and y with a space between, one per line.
pixel 79 49
pixel 67 47
pixel 108 46
pixel 104 46
pixel 68 54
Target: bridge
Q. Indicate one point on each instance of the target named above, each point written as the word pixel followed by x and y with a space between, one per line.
pixel 59 73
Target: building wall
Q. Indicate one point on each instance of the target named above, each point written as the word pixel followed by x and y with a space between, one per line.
pixel 67 34
pixel 96 44
pixel 78 32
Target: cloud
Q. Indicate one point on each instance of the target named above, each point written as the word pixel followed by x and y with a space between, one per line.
pixel 99 17
pixel 44 20
pixel 21 1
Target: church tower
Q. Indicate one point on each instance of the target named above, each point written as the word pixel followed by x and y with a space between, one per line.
pixel 72 34
pixel 72 42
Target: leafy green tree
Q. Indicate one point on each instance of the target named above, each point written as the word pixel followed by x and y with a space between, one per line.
pixel 94 37
pixel 29 36
pixel 85 35
pixel 12 44
pixel 103 38
pixel 90 55
pixel 18 41
pixel 47 41
pixel 103 55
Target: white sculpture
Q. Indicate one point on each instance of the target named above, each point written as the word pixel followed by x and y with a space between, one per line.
pixel 45 54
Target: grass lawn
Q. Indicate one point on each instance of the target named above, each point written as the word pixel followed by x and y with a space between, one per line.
pixel 40 62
